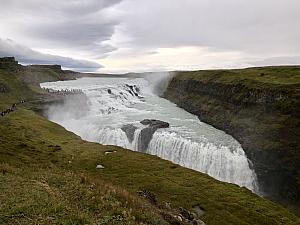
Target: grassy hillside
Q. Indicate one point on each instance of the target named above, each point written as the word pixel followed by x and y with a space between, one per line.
pixel 259 77
pixel 13 89
pixel 48 176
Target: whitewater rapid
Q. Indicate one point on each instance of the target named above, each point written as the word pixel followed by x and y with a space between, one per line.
pixel 109 103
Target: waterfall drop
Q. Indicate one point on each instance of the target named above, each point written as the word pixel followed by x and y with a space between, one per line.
pixel 113 111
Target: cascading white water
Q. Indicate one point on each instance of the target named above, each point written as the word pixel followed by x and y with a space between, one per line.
pixel 217 161
pixel 111 103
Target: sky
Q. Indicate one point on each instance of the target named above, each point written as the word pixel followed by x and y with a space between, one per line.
pixel 118 36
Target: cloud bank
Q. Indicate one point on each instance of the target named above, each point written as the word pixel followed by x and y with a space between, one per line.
pixel 26 55
pixel 66 26
pixel 139 35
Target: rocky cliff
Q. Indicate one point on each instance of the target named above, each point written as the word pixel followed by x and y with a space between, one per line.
pixel 260 108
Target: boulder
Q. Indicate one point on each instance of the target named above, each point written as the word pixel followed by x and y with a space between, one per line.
pixel 186 214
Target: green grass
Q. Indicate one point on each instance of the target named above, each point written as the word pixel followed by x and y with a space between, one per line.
pixel 16 89
pixel 48 176
pixel 252 77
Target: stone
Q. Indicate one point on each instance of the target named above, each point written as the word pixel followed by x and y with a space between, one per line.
pixel 170 218
pixel 186 214
pixel 99 166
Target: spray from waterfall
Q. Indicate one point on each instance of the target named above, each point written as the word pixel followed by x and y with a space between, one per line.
pixel 159 81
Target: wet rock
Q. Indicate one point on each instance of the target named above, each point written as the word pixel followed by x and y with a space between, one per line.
pixel 129 130
pixel 145 138
pixel 133 90
pixel 155 123
pixel 147 133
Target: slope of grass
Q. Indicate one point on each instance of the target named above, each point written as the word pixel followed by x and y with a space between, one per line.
pixel 48 176
pixel 15 89
pixel 260 77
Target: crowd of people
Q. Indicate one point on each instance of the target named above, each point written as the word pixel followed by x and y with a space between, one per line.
pixel 64 92
pixel 11 109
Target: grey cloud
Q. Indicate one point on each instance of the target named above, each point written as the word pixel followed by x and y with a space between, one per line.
pixel 254 26
pixel 69 25
pixel 96 28
pixel 70 7
pixel 77 36
pixel 26 55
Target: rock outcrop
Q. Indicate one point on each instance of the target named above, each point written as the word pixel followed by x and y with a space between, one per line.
pixel 129 130
pixel 147 133
pixel 263 116
pixel 172 216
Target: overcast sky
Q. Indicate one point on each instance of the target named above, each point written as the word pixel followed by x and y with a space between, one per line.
pixel 149 35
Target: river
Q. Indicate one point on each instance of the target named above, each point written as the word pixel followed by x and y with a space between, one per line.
pixel 106 105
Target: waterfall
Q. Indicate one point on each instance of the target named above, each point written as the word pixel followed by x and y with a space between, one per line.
pixel 219 162
pixel 110 113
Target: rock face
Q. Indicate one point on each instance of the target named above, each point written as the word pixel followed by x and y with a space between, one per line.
pixel 133 90
pixel 263 117
pixel 129 129
pixel 147 133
